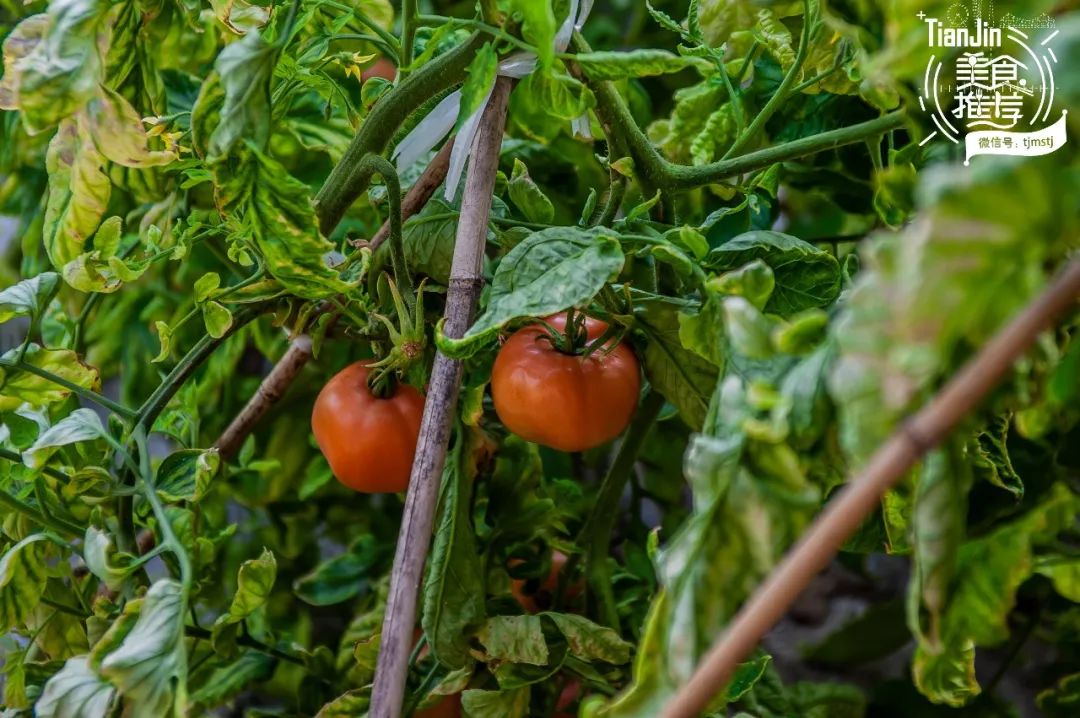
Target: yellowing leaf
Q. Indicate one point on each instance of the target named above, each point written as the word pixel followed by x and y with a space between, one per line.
pixel 79 192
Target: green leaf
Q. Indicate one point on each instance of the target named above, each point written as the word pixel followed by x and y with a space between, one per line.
pixel 254 582
pixel 755 282
pixel 496 704
pixel 1063 572
pixel 217 318
pixel 18 386
pixel 245 68
pixel 684 377
pixel 118 132
pixel 480 78
pixel 590 641
pixel 518 639
pixel 805 276
pixel 79 425
pixel 748 330
pixel 206 285
pixel 97 548
pixel 22 580
pixel 454 586
pixel 79 192
pixel 241 16
pixel 528 197
pixel 341 577
pixel 151 657
pixel 1061 700
pixel 988 572
pixel 555 94
pixel 75 691
pixel 230 679
pixel 635 63
pixel 664 20
pixel 428 238
pixel 551 270
pixel 348 705
pixel 280 218
pixel 690 240
pixel 537 26
pixel 990 458
pixel 936 290
pixel 702 331
pixel 53 62
pixel 185 475
pixel 30 297
pixel 746 676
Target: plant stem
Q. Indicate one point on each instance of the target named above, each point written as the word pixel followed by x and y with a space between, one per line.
pixel 87 394
pixel 149 491
pixel 479 26
pixel 156 402
pixel 616 193
pixel 345 183
pixel 409 17
pixel 846 511
pixel 414 536
pixel 88 306
pixel 39 516
pixel 657 172
pixel 781 94
pixel 595 535
pixel 377 164
pixel 734 95
pixel 366 21
pixel 48 471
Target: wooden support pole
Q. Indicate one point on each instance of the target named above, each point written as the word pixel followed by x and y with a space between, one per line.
pixel 414 538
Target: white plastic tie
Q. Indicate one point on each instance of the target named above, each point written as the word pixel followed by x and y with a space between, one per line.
pixel 442 118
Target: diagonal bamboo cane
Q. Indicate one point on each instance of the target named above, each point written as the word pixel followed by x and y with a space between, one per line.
pixel 843 515
pixel 414 536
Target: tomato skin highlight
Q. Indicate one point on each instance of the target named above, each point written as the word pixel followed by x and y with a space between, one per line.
pixel 368 441
pixel 565 402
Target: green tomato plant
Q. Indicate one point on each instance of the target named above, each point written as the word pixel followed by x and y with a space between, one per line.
pixel 203 219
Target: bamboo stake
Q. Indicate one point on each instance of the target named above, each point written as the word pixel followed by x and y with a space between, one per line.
pixel 414 536
pixel 843 515
pixel 298 354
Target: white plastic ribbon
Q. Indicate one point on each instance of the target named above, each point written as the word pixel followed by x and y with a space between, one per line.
pixel 442 118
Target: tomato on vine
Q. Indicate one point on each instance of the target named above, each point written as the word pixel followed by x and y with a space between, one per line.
pixel 542 597
pixel 448 707
pixel 566 383
pixel 368 440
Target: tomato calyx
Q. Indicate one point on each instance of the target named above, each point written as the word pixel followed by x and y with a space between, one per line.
pixel 407 340
pixel 574 339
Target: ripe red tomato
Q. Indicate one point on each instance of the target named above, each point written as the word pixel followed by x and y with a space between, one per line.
pixel 569 694
pixel 544 596
pixel 380 68
pixel 566 402
pixel 368 441
pixel 448 707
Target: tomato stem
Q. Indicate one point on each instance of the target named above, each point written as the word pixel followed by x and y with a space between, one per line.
pixel 595 536
pixel 382 382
